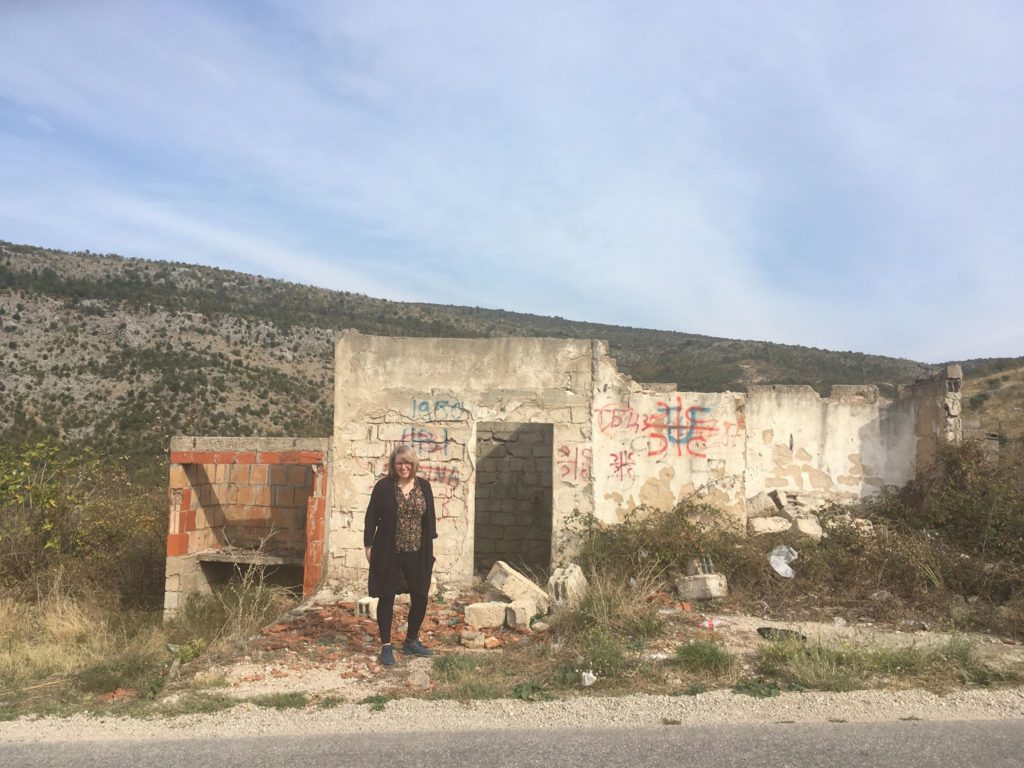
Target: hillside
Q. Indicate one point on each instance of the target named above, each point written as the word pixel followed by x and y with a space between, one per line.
pixel 122 353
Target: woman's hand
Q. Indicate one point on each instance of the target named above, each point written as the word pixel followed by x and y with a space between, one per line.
pixel 368 553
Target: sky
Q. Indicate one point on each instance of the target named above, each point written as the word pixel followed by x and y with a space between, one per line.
pixel 832 174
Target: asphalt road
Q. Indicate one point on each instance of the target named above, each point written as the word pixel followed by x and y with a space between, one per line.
pixel 989 744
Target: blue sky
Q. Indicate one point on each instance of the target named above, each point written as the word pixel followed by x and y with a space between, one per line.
pixel 841 175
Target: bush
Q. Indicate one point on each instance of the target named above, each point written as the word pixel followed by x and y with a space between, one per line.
pixel 973 501
pixel 66 516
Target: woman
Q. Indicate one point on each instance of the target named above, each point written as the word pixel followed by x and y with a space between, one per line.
pixel 399 535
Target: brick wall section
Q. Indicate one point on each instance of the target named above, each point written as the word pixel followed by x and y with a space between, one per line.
pixel 269 500
pixel 513 495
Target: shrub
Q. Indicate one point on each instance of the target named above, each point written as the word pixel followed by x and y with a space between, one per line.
pixel 68 517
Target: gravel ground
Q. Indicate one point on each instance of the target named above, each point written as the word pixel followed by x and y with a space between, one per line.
pixel 583 712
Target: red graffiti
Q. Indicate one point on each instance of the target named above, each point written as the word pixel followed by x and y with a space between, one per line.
pixel 574 463
pixel 617 416
pixel 622 465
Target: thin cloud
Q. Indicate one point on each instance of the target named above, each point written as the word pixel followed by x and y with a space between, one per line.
pixel 819 174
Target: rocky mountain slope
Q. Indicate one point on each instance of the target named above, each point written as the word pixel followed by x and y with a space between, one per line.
pixel 122 353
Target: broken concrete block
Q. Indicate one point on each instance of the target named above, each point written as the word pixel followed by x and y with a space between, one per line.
pixel 762 525
pixel 519 612
pixel 567 585
pixel 704 586
pixel 515 586
pixel 472 639
pixel 807 525
pixel 367 606
pixel 761 506
pixel 482 615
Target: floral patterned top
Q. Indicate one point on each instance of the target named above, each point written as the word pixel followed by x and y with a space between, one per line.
pixel 411 508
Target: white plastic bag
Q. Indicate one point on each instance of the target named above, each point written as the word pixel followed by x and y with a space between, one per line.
pixel 780 558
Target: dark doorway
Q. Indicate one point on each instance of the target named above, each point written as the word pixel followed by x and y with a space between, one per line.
pixel 513 496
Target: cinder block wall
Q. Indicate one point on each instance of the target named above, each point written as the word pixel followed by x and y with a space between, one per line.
pixel 513 495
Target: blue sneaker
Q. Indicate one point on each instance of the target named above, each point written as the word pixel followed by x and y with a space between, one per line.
pixel 387 656
pixel 416 648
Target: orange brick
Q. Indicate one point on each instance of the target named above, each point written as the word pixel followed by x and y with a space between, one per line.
pixel 284 496
pixel 239 473
pixel 177 544
pixel 245 496
pixel 188 520
pixel 263 495
pixel 258 474
pixel 278 475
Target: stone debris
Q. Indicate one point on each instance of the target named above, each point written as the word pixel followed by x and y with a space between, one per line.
pixel 759 526
pixel 515 586
pixel 518 614
pixel 567 586
pixel 470 638
pixel 704 586
pixel 490 643
pixel 761 505
pixel 418 679
pixel 807 525
pixel 486 615
pixel 540 626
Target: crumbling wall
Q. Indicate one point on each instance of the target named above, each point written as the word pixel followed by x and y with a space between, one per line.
pixel 838 448
pixel 246 502
pixel 936 401
pixel 433 394
pixel 654 446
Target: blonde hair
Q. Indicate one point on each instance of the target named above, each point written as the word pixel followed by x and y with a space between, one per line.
pixel 407 453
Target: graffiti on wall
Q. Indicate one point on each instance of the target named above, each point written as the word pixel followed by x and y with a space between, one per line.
pixel 673 428
pixel 438 410
pixel 426 440
pixel 574 463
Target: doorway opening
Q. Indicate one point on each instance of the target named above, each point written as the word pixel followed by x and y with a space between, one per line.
pixel 513 496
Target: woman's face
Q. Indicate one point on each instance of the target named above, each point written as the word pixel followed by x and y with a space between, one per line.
pixel 403 468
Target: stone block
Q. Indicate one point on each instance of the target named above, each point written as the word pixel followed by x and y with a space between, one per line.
pixel 515 586
pixel 567 585
pixel 807 525
pixel 762 525
pixel 519 612
pixel 367 606
pixel 761 506
pixel 705 586
pixel 485 615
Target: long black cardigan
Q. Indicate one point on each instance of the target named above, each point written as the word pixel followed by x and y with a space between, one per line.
pixel 386 577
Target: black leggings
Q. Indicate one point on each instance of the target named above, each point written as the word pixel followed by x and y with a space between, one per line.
pixel 386 610
pixel 408 562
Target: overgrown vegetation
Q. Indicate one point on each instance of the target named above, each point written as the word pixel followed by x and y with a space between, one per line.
pixel 75 524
